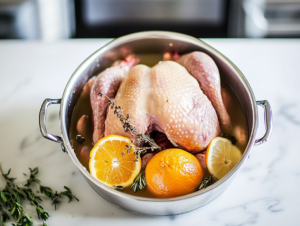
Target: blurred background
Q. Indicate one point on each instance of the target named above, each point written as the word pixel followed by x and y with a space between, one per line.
pixel 52 20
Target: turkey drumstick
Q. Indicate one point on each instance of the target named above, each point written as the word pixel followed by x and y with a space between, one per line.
pixel 107 82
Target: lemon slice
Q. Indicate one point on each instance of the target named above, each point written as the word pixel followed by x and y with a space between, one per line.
pixel 221 156
pixel 112 163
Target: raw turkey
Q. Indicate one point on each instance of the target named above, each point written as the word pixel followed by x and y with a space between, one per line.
pixel 179 97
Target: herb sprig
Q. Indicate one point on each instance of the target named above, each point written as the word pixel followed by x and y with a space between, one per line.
pixel 139 182
pixel 207 180
pixel 12 195
pixel 131 129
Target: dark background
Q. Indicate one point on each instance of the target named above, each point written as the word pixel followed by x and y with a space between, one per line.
pixel 118 27
pixel 60 19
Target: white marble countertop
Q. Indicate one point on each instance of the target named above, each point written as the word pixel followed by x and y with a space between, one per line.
pixel 266 190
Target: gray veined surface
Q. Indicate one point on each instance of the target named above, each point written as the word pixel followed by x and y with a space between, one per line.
pixel 264 192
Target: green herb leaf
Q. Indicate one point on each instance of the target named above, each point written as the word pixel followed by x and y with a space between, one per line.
pixel 12 195
pixel 68 189
pixel 28 217
pixel 4 217
pixel 207 180
pixel 3 196
pixel 13 210
pixel 7 172
pixel 139 182
pixel 22 193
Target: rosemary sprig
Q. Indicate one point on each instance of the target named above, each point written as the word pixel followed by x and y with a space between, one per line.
pixel 12 196
pixel 139 182
pixel 231 138
pixel 207 180
pixel 129 128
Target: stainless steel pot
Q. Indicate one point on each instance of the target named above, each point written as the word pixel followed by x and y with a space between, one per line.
pixel 156 42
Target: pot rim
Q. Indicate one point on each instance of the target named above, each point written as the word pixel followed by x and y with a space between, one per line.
pixel 153 35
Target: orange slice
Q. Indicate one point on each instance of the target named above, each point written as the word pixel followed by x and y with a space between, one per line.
pixel 112 163
pixel 221 156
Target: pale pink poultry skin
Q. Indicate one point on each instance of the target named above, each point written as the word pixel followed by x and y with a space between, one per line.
pixel 107 82
pixel 168 99
pixel 204 69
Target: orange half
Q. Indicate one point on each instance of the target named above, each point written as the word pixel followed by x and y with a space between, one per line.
pixel 112 163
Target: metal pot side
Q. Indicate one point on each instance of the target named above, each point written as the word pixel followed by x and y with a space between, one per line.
pixel 156 42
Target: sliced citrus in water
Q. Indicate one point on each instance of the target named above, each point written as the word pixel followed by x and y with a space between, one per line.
pixel 112 163
pixel 221 156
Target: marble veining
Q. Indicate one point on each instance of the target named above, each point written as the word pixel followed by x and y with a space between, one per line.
pixel 285 112
pixel 14 89
pixel 247 213
pixel 265 190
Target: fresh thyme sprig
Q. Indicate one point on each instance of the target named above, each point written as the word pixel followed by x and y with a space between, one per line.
pixel 139 182
pixel 207 180
pixel 12 196
pixel 129 128
pixel 54 196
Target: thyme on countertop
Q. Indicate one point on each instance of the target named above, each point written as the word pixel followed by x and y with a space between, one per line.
pixel 11 198
pixel 231 138
pixel 139 182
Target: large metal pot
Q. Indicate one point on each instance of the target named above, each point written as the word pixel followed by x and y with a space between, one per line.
pixel 156 42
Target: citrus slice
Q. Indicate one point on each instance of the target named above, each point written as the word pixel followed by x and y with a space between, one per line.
pixel 112 163
pixel 221 156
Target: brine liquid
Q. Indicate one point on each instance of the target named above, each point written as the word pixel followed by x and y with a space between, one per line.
pixel 239 127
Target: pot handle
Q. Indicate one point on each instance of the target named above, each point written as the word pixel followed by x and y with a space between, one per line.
pixel 42 122
pixel 268 121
